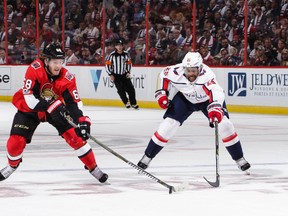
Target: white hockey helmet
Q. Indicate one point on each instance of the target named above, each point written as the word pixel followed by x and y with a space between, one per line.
pixel 192 59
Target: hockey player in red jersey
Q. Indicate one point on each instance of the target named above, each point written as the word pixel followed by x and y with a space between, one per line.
pixel 196 90
pixel 48 94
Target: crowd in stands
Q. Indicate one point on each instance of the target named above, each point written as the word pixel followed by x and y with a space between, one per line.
pixel 168 35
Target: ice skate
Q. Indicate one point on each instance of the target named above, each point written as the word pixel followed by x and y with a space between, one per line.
pixel 6 172
pixel 243 165
pixel 136 107
pixel 127 105
pixel 98 174
pixel 144 162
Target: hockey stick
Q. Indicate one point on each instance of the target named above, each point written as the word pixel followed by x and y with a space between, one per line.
pixel 142 171
pixel 217 182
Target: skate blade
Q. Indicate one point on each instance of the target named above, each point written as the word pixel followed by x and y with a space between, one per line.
pixel 106 183
pixel 247 172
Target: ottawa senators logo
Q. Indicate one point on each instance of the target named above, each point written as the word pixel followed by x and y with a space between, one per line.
pixel 47 92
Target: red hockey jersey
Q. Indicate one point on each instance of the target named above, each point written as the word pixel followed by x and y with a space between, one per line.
pixel 40 89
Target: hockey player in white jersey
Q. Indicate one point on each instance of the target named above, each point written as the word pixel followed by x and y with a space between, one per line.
pixel 196 90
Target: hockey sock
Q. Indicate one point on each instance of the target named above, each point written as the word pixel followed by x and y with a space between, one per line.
pixel 152 149
pixel 86 155
pixel 15 147
pixel 235 151
pixel 82 148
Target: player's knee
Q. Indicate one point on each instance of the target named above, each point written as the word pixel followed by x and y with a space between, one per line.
pixel 227 132
pixel 72 139
pixel 16 145
pixel 168 128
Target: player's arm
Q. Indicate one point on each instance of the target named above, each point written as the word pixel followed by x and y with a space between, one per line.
pixel 31 91
pixel 74 106
pixel 216 100
pixel 162 93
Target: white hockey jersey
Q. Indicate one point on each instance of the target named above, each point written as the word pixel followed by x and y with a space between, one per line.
pixel 204 88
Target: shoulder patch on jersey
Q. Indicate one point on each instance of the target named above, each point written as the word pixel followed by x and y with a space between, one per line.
pixel 203 71
pixel 36 65
pixel 175 70
pixel 69 76
pixel 166 71
pixel 211 82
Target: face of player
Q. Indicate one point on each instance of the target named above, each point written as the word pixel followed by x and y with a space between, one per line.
pixel 191 73
pixel 54 66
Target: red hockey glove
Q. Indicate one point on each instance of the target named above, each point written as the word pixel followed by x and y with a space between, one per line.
pixel 83 127
pixel 215 111
pixel 162 99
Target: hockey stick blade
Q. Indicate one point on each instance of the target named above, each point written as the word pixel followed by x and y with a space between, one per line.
pixel 214 184
pixel 142 171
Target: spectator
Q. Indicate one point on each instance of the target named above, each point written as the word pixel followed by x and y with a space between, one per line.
pixel 280 47
pixel 178 37
pixel 74 13
pixel 13 32
pixel 188 38
pixel 252 54
pixel 140 57
pixel 11 15
pixel 97 57
pixel 46 35
pixel 284 57
pixel 261 58
pixel 3 59
pixel 80 31
pixel 71 58
pixel 29 34
pixel 86 56
pixel 2 34
pixel 162 42
pixel 207 39
pixel 206 55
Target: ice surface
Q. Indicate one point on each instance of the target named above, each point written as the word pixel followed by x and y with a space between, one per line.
pixel 51 180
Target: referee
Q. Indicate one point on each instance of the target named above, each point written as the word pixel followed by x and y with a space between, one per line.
pixel 118 65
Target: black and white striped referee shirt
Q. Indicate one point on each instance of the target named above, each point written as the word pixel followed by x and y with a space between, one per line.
pixel 118 63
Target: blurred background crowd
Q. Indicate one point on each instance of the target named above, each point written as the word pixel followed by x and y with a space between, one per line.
pixel 157 32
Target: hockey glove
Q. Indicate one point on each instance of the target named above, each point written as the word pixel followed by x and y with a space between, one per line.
pixel 57 110
pixel 215 111
pixel 162 98
pixel 83 127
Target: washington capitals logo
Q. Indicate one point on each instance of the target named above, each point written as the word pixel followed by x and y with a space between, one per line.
pixel 96 77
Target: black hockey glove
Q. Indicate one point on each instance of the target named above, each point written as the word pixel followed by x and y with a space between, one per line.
pixel 83 127
pixel 57 110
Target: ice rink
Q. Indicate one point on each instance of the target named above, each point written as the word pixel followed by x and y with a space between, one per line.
pixel 51 180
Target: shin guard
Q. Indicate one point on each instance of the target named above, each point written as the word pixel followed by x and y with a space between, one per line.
pixel 15 147
pixel 82 148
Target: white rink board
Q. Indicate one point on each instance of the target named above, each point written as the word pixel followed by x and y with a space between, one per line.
pixel 243 86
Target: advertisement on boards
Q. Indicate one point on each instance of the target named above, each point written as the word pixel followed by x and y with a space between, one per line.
pixel 255 86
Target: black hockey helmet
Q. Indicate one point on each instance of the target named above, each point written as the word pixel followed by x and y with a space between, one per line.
pixel 119 42
pixel 53 51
